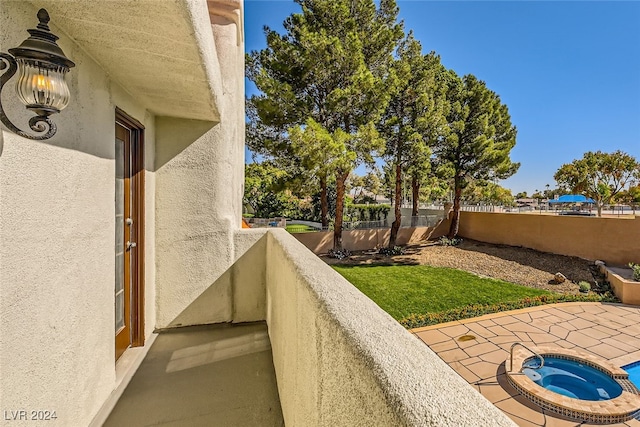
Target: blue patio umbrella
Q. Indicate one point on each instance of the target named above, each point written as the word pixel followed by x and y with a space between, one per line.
pixel 572 198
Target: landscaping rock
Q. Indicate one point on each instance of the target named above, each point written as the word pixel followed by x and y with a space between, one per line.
pixel 559 278
pixel 599 263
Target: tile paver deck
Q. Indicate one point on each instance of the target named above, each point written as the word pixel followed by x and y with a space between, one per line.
pixel 609 331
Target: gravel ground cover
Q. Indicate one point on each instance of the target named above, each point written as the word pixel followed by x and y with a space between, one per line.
pixel 513 264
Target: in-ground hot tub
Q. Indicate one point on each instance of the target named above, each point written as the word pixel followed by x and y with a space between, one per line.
pixel 572 378
pixel 574 384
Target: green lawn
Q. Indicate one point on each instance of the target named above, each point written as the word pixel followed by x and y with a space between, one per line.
pixel 299 228
pixel 402 290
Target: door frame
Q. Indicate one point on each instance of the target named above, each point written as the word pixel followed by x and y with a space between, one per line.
pixel 137 292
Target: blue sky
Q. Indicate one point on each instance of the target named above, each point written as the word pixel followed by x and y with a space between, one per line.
pixel 569 71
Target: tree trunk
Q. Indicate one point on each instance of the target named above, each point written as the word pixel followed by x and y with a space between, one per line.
pixel 415 188
pixel 397 208
pixel 324 203
pixel 455 218
pixel 599 206
pixel 341 179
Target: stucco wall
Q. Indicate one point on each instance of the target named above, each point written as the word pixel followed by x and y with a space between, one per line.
pixel 159 51
pixel 613 240
pixel 57 234
pixel 199 187
pixel 238 293
pixel 341 361
pixel 320 242
pixel 625 288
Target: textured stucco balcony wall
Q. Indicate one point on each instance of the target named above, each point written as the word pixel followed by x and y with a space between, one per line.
pixel 57 228
pixel 236 295
pixel 342 361
pixel 613 240
pixel 199 188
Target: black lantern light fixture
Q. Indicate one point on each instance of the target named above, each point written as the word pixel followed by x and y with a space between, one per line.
pixel 41 86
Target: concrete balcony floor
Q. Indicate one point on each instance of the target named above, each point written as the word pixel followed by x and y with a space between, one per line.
pixel 219 375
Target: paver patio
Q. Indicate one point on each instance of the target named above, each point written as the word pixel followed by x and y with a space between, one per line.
pixel 610 331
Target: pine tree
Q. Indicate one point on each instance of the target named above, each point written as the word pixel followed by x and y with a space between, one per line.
pixel 331 67
pixel 413 119
pixel 479 140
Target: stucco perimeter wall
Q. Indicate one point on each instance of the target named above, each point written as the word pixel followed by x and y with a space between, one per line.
pixel 342 361
pixel 57 231
pixel 360 240
pixel 612 240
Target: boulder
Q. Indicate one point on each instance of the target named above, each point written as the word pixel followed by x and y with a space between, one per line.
pixel 559 278
pixel 599 263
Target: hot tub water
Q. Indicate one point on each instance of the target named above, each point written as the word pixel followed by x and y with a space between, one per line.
pixel 572 378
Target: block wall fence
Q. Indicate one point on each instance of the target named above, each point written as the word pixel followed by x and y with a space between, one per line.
pixel 615 241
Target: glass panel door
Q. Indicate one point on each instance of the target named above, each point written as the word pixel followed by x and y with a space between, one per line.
pixel 129 236
pixel 119 244
pixel 123 225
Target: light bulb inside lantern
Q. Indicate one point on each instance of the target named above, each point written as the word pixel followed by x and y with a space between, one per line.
pixel 41 87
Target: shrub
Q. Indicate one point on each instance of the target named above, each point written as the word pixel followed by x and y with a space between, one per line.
pixel 475 310
pixel 584 286
pixel 372 212
pixel 445 241
pixel 339 254
pixel 396 250
pixel 636 271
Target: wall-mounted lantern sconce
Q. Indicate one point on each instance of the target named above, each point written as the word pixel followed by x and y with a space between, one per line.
pixel 41 86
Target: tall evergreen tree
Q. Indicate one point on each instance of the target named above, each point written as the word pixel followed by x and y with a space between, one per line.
pixel 413 117
pixel 331 66
pixel 320 154
pixel 263 191
pixel 479 141
pixel 420 170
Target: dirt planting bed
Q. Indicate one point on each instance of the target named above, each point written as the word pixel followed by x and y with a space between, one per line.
pixel 514 264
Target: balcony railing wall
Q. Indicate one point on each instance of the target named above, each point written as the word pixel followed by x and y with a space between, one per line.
pixel 341 361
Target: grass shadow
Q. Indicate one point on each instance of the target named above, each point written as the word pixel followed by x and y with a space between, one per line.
pixel 370 264
pixel 371 260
